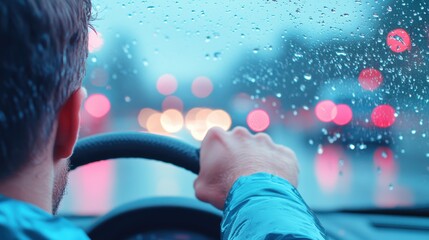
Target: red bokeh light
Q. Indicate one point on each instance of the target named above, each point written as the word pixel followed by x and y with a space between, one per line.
pixel 344 115
pixel 383 116
pixel 167 84
pixel 399 196
pixel 202 87
pixel 399 40
pixel 331 165
pixel 326 111
pixel 370 79
pixel 258 120
pixel 93 182
pixel 97 105
pixel 172 102
pixel 327 167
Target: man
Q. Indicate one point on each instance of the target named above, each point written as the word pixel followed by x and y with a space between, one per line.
pixel 42 64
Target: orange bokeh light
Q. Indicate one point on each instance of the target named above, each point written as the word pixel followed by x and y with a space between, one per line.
pixel 172 121
pixel 144 115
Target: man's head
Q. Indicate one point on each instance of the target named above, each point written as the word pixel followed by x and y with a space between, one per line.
pixel 43 48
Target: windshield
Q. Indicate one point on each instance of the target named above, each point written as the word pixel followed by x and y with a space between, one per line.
pixel 345 84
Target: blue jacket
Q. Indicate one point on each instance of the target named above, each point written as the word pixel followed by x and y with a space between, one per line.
pixel 260 206
pixel 263 206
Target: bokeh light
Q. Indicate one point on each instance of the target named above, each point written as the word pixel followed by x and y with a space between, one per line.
pixel 144 115
pixel 399 40
pixel 326 111
pixel 172 102
pixel 219 118
pixel 344 115
pixel 258 120
pixel 196 122
pixel 392 196
pixel 199 121
pixel 153 124
pixel 167 84
pixel 202 87
pixel 327 167
pixel 97 105
pixel 190 118
pixel 383 116
pixel 172 121
pixel 95 41
pixel 370 79
pixel 95 180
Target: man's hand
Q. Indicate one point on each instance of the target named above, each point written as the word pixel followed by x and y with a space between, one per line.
pixel 226 156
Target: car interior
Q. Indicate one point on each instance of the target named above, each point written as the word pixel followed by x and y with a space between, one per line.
pixel 345 84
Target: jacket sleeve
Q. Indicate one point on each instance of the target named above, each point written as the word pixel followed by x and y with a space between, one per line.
pixel 263 206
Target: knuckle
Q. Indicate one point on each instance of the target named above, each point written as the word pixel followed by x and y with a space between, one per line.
pixel 241 131
pixel 199 190
pixel 263 137
pixel 213 133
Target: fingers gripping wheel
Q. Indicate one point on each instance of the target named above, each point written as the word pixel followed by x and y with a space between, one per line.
pixel 135 145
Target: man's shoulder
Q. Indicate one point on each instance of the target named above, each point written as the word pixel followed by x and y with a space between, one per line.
pixel 21 220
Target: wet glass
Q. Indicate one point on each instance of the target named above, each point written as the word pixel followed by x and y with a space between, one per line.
pixel 343 83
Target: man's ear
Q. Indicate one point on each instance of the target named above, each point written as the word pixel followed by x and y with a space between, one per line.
pixel 68 125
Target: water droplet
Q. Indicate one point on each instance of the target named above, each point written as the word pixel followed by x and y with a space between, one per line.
pixel 320 149
pixel 298 55
pixel 279 95
pixel 352 147
pixel 255 50
pixel 94 59
pixel 127 99
pixel 378 170
pixel 307 76
pixel 413 131
pixel 217 55
pixel 389 8
pixel 324 131
pixel 151 7
pixel 391 187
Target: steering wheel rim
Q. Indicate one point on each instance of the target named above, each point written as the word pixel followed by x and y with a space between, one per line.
pixel 148 146
pixel 135 145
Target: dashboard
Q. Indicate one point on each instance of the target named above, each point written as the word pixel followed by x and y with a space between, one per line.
pixel 189 219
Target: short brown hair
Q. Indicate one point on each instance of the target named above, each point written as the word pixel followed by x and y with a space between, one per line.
pixel 43 49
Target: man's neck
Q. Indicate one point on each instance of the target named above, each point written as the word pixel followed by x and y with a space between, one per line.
pixel 31 185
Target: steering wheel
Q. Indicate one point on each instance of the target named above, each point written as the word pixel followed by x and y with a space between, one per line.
pixel 148 216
